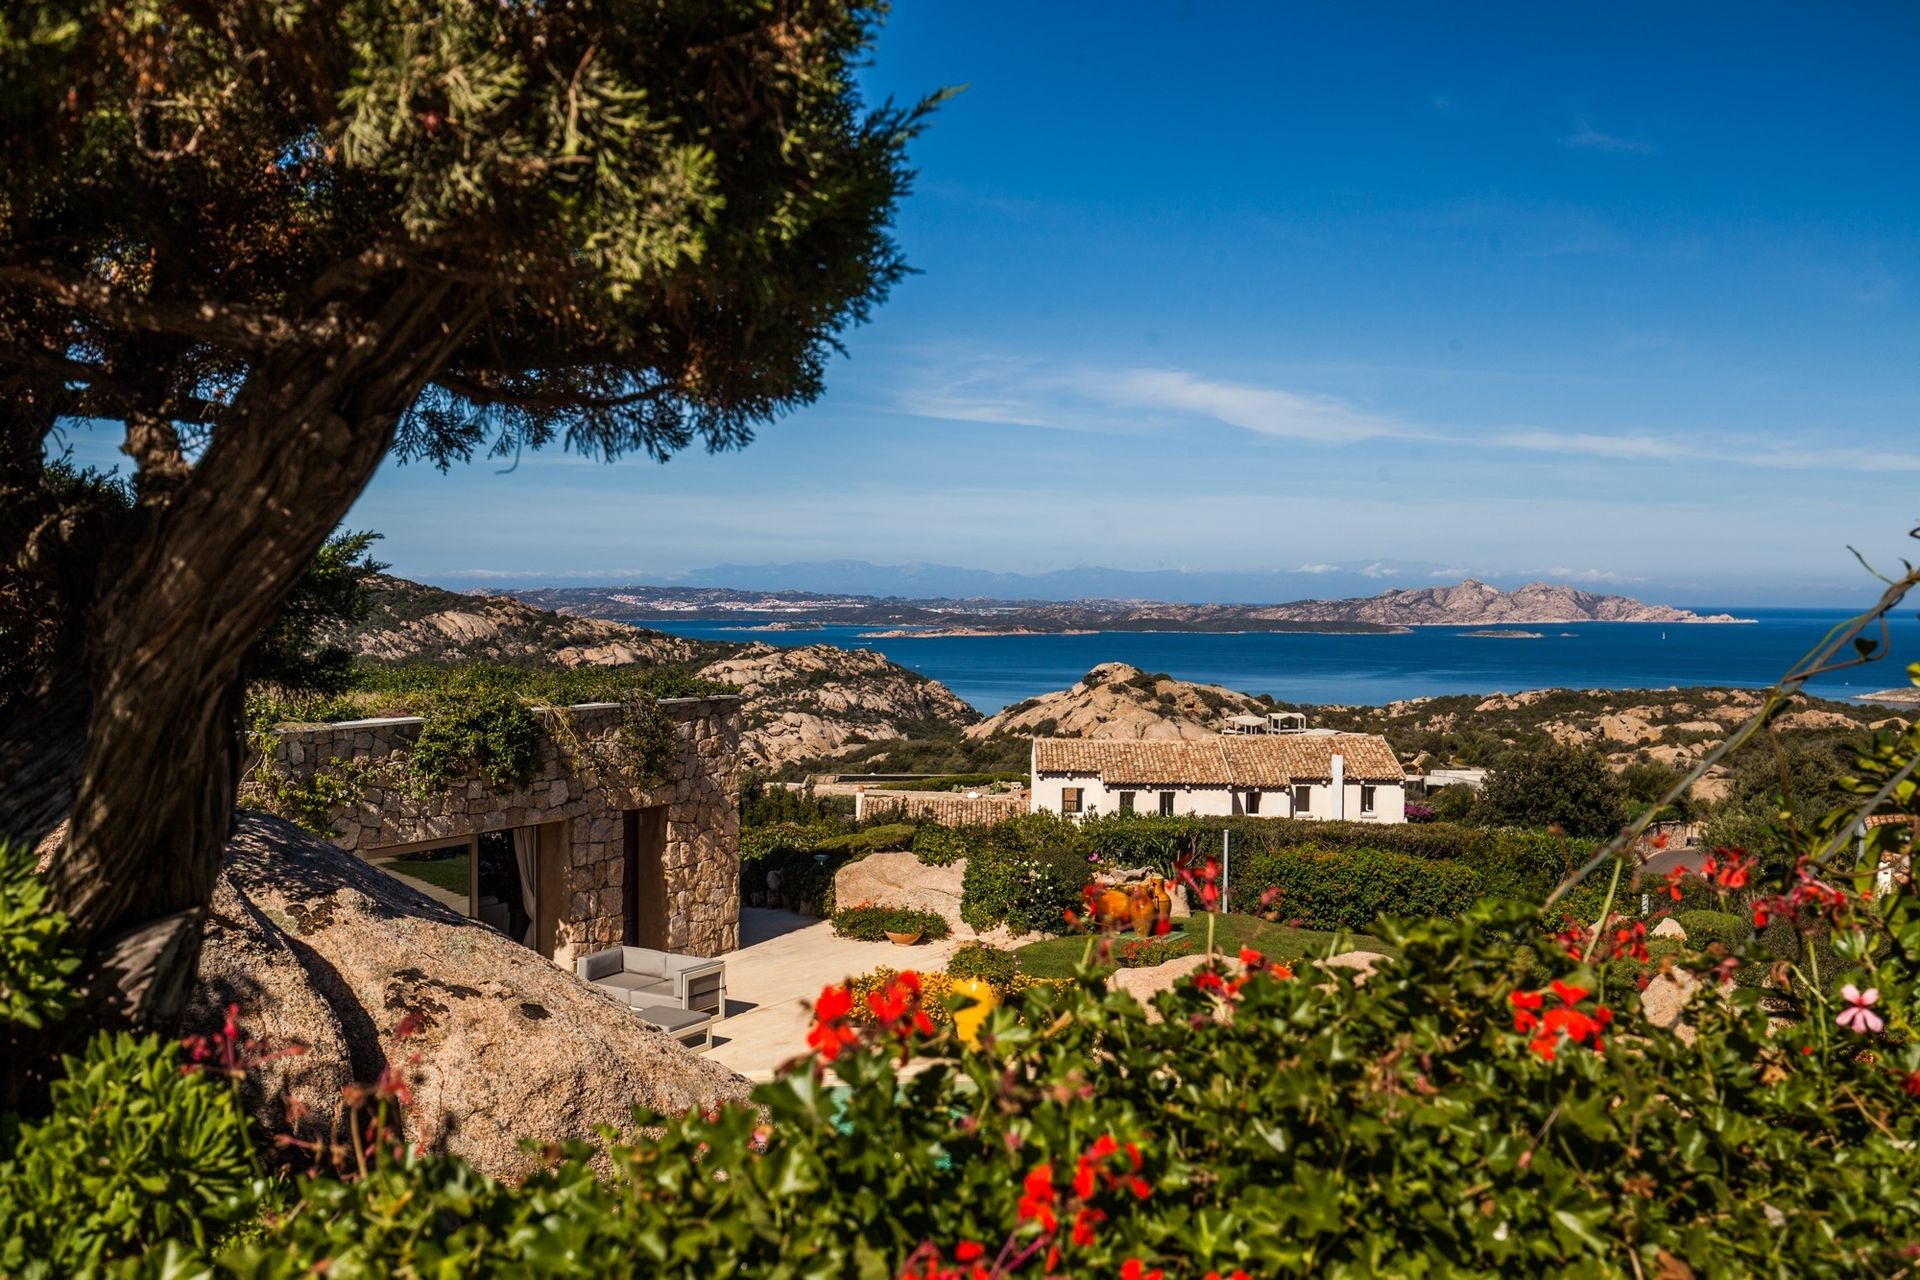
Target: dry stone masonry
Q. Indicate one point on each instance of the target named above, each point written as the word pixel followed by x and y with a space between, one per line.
pixel 581 782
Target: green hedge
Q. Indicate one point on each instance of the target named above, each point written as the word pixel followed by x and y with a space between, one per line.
pixel 1325 888
pixel 1714 926
pixel 1510 863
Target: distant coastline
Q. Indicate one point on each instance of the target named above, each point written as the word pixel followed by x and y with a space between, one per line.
pixel 1906 697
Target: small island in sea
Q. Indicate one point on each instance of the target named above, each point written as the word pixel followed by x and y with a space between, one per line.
pixel 1505 633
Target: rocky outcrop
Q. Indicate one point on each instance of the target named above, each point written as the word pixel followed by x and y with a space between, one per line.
pixel 901 880
pixel 1470 603
pixel 412 622
pixel 815 700
pixel 318 948
pixel 1115 700
pixel 801 703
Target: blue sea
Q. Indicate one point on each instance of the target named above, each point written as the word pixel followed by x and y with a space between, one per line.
pixel 992 671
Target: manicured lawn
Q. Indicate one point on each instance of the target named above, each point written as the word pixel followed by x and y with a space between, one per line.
pixel 1056 957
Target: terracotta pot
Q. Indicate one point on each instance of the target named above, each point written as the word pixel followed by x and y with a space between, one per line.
pixel 1113 907
pixel 1144 915
pixel 1162 902
pixel 903 939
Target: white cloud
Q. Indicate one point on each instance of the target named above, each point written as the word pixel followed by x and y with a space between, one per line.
pixel 1270 411
pixel 1134 401
pixel 1317 568
pixel 1587 138
pixel 1561 574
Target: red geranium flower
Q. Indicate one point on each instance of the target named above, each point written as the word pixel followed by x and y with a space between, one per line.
pixel 1038 1197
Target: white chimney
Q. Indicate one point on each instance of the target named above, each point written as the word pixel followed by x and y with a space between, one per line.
pixel 1339 787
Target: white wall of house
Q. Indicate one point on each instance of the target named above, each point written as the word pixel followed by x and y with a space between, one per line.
pixel 1097 799
pixel 1389 800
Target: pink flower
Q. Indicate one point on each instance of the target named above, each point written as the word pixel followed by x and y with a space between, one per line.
pixel 1859 1015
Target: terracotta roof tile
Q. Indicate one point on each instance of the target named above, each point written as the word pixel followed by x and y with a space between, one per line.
pixel 1132 762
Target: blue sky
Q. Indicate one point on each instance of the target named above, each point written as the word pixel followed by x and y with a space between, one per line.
pixel 1620 294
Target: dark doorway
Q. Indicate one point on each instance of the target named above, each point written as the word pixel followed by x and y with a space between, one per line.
pixel 644 880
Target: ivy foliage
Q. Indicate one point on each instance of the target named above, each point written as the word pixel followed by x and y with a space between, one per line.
pixel 481 731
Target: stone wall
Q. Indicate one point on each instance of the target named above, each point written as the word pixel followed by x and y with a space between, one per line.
pixel 580 782
pixel 940 806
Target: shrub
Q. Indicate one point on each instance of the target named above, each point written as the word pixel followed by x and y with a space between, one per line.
pixel 983 960
pixel 134 1152
pixel 937 845
pixel 36 956
pixel 1026 890
pixel 872 924
pixel 795 876
pixel 1322 1100
pixel 1349 889
pixel 937 993
pixel 1558 785
pixel 1724 927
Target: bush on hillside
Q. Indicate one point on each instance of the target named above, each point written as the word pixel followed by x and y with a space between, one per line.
pixel 1554 785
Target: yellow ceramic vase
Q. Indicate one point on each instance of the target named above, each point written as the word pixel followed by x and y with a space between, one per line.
pixel 968 1020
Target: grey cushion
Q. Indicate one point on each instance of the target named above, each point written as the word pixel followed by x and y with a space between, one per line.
pixel 671 1018
pixel 635 988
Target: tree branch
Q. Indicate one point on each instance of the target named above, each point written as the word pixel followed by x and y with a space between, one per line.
pixel 222 323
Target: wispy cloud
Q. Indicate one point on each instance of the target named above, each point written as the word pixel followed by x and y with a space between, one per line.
pixel 1587 138
pixel 1136 401
pixel 1562 574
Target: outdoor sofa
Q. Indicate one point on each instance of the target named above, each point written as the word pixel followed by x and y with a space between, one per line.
pixel 682 995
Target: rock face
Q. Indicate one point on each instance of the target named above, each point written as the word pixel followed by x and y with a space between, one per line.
pixel 812 701
pixel 318 948
pixel 1115 700
pixel 800 703
pixel 412 622
pixel 902 880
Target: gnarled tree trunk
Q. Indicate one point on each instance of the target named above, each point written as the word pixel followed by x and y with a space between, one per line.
pixel 167 643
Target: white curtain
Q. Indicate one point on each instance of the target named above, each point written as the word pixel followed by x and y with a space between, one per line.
pixel 526 854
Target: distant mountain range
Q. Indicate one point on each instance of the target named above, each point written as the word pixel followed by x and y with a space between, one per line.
pixel 1467 604
pixel 923 581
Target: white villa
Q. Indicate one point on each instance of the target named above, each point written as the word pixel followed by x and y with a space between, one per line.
pixel 1311 774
